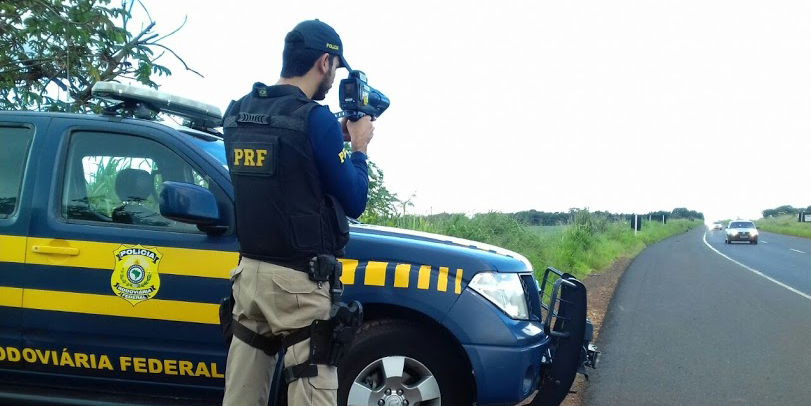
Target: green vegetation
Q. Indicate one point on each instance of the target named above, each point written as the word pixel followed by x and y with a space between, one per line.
pixel 542 218
pixel 785 210
pixel 785 224
pixel 547 230
pixel 579 241
pixel 52 52
pixel 590 242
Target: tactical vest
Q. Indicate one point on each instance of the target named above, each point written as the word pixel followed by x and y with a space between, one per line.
pixel 283 214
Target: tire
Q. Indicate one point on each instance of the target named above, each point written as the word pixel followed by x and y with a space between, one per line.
pixel 754 242
pixel 410 351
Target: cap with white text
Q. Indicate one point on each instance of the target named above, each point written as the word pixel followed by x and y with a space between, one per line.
pixel 316 35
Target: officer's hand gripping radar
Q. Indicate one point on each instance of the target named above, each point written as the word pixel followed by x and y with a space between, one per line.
pixel 358 99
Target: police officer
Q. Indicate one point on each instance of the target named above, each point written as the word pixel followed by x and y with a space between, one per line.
pixel 294 186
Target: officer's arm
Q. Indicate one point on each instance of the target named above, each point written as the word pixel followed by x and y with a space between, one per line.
pixel 343 176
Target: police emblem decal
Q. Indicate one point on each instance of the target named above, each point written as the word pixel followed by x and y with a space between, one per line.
pixel 135 276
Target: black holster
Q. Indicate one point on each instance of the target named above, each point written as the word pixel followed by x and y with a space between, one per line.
pixel 227 318
pixel 324 268
pixel 329 340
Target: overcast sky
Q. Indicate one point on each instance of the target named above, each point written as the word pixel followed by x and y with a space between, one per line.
pixel 613 105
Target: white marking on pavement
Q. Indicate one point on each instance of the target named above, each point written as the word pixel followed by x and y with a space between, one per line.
pixel 765 242
pixel 796 250
pixel 755 271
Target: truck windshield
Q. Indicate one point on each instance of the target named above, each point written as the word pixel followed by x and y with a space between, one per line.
pixel 213 148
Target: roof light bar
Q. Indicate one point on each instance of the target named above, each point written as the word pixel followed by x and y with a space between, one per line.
pixel 200 114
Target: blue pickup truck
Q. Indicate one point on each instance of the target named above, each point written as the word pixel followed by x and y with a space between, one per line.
pixel 116 238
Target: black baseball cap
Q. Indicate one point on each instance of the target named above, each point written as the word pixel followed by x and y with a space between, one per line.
pixel 316 35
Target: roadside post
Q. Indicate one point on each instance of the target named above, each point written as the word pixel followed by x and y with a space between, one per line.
pixel 636 223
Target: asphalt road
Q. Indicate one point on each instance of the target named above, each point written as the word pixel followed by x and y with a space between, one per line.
pixel 689 326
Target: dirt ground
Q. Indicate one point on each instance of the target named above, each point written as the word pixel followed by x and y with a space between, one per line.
pixel 600 288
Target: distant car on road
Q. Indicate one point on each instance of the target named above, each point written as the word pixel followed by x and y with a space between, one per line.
pixel 717 226
pixel 740 230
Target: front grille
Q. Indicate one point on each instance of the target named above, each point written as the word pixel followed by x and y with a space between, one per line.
pixel 533 296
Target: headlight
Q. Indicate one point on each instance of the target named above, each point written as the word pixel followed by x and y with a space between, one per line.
pixel 753 232
pixel 504 290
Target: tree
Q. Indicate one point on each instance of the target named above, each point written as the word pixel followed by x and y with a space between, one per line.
pixel 383 205
pixel 783 210
pixel 50 48
pixel 683 213
pixel 786 209
pixel 769 213
pixel 533 217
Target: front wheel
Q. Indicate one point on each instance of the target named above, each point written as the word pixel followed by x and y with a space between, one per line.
pixel 394 362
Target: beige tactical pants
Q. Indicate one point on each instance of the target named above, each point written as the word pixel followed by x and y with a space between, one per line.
pixel 272 299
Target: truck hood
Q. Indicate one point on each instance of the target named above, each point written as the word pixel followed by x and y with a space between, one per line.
pixel 489 256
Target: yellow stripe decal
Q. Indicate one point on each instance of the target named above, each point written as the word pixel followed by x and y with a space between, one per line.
pixel 442 282
pixel 458 285
pixel 401 275
pixel 375 273
pixel 176 261
pixel 11 297
pixel 424 279
pixel 109 305
pixel 188 262
pixel 12 248
pixel 349 267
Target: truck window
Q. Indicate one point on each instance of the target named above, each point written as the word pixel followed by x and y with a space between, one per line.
pixel 117 178
pixel 16 142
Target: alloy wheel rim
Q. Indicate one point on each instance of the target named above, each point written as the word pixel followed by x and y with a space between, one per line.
pixel 395 381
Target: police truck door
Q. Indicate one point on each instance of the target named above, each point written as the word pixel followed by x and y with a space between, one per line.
pixel 17 135
pixel 115 290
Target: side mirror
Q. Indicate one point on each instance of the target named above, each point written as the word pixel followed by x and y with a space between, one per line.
pixel 188 203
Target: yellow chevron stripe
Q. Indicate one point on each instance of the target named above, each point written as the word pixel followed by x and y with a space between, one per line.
pixel 375 273
pixel 12 248
pixel 349 268
pixel 109 305
pixel 11 297
pixel 175 261
pixel 442 281
pixel 200 263
pixel 458 285
pixel 402 273
pixel 424 277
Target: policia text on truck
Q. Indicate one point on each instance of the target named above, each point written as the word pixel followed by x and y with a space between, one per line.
pixel 290 177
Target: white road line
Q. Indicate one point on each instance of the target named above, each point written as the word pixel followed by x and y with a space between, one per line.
pixel 765 242
pixel 755 271
pixel 797 251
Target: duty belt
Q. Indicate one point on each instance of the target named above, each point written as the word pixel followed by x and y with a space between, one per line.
pixel 329 339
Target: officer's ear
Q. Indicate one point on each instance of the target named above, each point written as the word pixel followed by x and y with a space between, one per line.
pixel 324 63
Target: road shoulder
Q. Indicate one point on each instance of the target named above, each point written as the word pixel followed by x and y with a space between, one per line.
pixel 600 288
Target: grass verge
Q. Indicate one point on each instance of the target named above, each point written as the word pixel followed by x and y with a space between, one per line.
pixel 785 225
pixel 589 243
